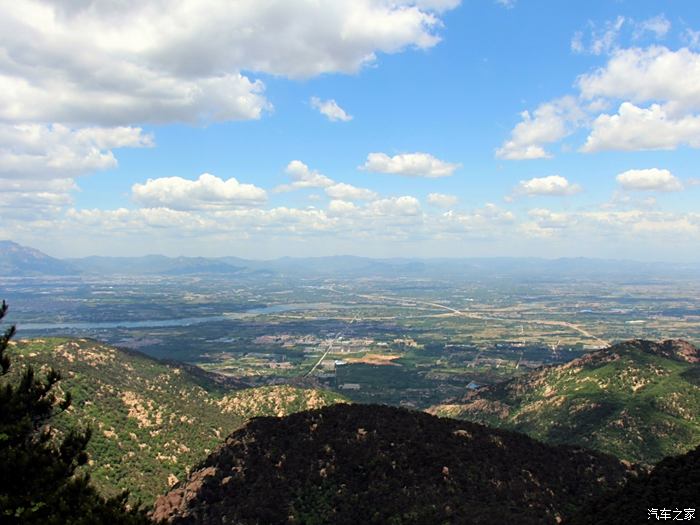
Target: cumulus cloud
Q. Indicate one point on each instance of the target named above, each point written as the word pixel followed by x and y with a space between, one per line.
pixel 116 63
pixel 442 200
pixel 485 222
pixel 303 177
pixel 349 192
pixel 409 164
pixel 30 199
pixel 550 122
pixel 550 219
pixel 341 207
pixel 206 192
pixel 38 163
pixel 396 206
pixel 330 109
pixel 553 185
pixel 634 129
pixel 651 74
pixel 659 90
pixel 546 223
pixel 56 151
pixel 652 179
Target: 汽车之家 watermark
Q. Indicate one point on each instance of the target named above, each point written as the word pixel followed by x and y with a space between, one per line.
pixel 671 514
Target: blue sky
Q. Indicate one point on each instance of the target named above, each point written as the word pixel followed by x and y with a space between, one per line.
pixel 368 127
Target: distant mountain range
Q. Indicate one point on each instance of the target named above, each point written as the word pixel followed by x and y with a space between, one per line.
pixel 19 261
pixel 638 400
pixel 349 464
pixel 151 420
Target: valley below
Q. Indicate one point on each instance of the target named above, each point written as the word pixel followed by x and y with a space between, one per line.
pixel 167 369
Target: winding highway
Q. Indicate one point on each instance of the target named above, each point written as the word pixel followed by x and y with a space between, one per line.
pixel 474 315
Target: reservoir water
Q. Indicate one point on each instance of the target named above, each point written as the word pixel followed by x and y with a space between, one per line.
pixel 185 321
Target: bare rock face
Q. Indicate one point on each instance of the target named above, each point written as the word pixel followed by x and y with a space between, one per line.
pixel 177 500
pixel 350 464
pixel 680 349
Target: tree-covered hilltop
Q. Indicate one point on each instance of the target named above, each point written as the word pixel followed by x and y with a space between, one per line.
pixel 151 421
pixel 349 464
pixel 637 400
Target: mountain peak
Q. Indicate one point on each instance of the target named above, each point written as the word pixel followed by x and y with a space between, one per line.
pixel 17 260
pixel 677 349
pixel 378 464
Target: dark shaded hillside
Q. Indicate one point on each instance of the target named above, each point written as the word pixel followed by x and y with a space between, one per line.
pixel 349 464
pixel 674 484
pixel 638 400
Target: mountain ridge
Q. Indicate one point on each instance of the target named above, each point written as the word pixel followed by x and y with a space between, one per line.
pixel 638 400
pixel 378 464
pixel 19 260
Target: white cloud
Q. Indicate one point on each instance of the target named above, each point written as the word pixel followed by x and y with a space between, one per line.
pixel 207 192
pixel 669 81
pixel 330 109
pixel 395 206
pixel 348 192
pixel 658 26
pixel 442 200
pixel 691 38
pixel 41 151
pixel 509 4
pixel 29 199
pixel 652 179
pixel 549 219
pixel 553 185
pixel 635 129
pixel 602 39
pixel 409 164
pixel 652 74
pixel 437 5
pixel 114 63
pixel 38 163
pixel 545 223
pixel 486 222
pixel 341 207
pixel 303 177
pixel 550 122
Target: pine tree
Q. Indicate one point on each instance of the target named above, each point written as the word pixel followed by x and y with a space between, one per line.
pixel 38 479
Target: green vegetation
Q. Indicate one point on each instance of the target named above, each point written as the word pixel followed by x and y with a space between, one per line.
pixel 151 421
pixel 38 481
pixel 637 400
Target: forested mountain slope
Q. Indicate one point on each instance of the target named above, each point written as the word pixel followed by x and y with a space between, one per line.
pixel 637 400
pixel 151 421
